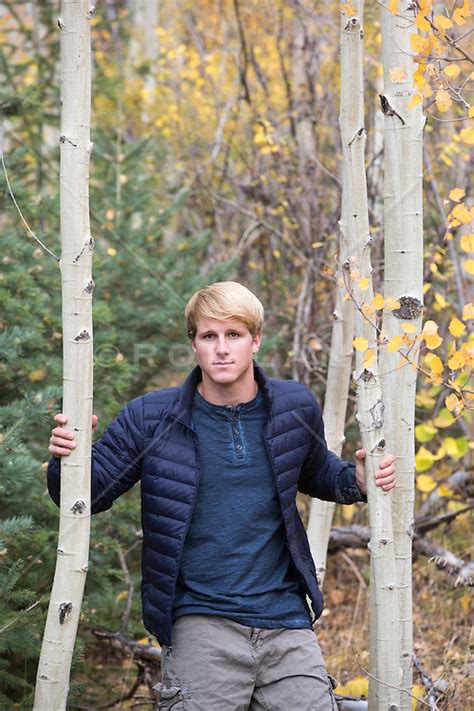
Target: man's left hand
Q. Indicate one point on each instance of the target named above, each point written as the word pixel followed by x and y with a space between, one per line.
pixel 385 476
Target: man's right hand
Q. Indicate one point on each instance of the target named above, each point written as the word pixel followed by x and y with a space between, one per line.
pixel 61 442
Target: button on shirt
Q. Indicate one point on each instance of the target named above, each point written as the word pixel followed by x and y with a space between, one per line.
pixel 235 562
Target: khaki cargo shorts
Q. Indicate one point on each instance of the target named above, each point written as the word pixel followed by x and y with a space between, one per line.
pixel 215 664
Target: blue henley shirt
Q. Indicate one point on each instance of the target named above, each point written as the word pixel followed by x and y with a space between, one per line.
pixel 235 561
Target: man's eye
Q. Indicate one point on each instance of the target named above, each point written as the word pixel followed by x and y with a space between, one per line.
pixel 234 334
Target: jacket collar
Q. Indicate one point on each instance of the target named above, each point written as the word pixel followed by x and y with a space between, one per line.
pixel 183 406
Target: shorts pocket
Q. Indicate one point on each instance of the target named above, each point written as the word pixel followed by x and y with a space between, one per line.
pixel 332 683
pixel 171 698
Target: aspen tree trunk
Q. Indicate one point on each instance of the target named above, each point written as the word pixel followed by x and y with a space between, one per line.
pixel 337 393
pixel 334 411
pixel 370 413
pixel 403 227
pixel 145 43
pixel 304 129
pixel 76 246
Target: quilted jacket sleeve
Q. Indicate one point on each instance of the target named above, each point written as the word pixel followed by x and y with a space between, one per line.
pixel 116 459
pixel 324 475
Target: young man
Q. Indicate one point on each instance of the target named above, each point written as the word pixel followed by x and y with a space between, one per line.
pixel 226 563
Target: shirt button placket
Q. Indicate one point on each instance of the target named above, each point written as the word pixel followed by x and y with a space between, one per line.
pixel 236 430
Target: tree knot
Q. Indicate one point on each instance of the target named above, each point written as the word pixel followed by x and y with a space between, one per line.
pixel 410 308
pixel 65 609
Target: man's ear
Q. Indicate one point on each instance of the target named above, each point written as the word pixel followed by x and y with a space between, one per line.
pixel 193 345
pixel 256 341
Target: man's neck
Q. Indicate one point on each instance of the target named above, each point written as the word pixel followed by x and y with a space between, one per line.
pixel 232 394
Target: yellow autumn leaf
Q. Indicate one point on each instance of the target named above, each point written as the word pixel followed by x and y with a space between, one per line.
pixel 419 76
pixel 368 310
pixel 469 266
pixel 435 363
pixel 442 22
pixel 454 385
pixel 36 376
pixel 452 70
pixel 427 91
pixel 423 459
pixel 433 342
pixel 122 596
pixel 417 694
pixel 394 344
pixel 456 194
pixel 415 100
pixel 393 6
pixel 467 243
pixel 459 16
pixel 461 212
pixel 466 603
pixel 276 253
pixel 456 448
pixel 440 300
pixel 423 399
pixel 348 9
pixel 470 113
pixel 397 75
pixel 456 361
pixel 391 304
pixel 369 357
pixel 409 327
pixel 444 490
pixel 451 402
pixel 378 301
pixel 430 328
pixel 360 344
pixel 422 23
pixel 111 251
pixel 417 43
pixel 467 135
pixel 425 431
pixel 363 284
pixel 444 419
pixel 443 100
pixel 456 327
pixel 468 312
pixel 425 483
pixel 357 688
pixel 148 641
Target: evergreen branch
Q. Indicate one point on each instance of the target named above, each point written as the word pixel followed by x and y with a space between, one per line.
pixel 10 191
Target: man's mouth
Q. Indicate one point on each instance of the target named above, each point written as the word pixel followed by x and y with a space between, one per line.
pixel 223 362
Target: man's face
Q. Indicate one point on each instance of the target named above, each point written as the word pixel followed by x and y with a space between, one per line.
pixel 224 349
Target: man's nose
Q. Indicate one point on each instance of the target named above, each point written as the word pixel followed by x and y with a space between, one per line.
pixel 222 345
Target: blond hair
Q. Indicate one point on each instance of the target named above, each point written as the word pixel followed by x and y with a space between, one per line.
pixel 224 300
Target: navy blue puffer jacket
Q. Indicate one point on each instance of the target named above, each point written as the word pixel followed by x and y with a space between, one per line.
pixel 152 439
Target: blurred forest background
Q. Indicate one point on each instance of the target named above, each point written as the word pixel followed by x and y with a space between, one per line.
pixel 197 175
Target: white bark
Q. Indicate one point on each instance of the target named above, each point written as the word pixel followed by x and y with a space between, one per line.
pixel 76 246
pixel 305 140
pixel 370 413
pixel 403 229
pixel 145 19
pixel 337 393
pixel 334 415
